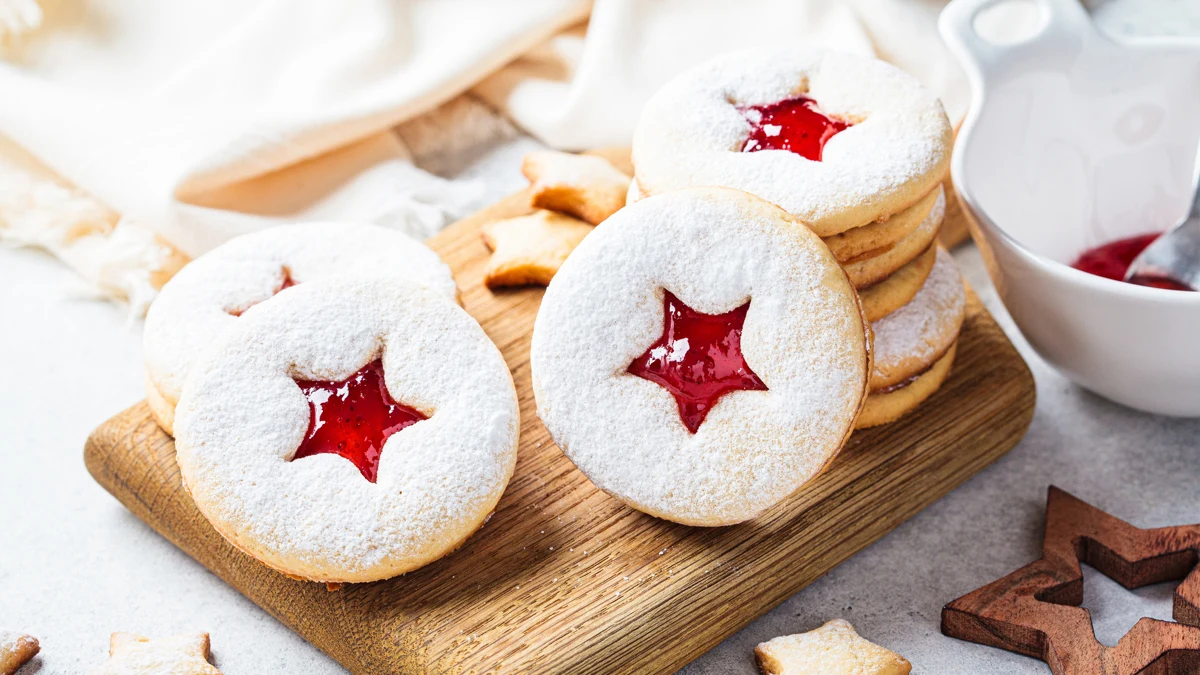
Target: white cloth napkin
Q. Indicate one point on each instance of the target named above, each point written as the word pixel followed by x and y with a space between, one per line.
pixel 198 120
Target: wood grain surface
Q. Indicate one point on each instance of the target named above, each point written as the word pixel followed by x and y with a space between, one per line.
pixel 564 579
pixel 1035 611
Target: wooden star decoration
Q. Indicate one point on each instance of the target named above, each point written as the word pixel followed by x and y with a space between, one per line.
pixel 131 654
pixel 1035 610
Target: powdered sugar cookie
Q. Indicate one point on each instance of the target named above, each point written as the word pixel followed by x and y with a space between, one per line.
pixel 530 249
pixel 16 650
pixel 633 194
pixel 700 356
pixel 891 403
pixel 877 268
pixel 833 649
pixel 898 289
pixel 349 430
pixel 584 186
pixel 131 654
pixel 881 236
pixel 206 296
pixel 909 340
pixel 837 140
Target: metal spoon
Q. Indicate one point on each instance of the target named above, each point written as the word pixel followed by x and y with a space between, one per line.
pixel 1176 254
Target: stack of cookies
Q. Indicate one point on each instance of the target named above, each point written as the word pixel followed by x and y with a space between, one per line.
pixel 854 148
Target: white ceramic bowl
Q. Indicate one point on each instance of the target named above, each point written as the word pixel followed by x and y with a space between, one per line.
pixel 1074 140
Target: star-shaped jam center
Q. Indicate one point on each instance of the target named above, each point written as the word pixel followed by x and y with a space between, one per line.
pixel 793 124
pixel 698 359
pixel 353 418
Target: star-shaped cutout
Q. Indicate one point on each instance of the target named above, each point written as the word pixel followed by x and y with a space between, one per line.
pixel 1035 610
pixel 353 418
pixel 131 654
pixel 698 359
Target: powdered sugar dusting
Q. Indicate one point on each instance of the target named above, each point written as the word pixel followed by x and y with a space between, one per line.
pixel 898 149
pixel 715 249
pixel 242 416
pixel 914 336
pixel 194 307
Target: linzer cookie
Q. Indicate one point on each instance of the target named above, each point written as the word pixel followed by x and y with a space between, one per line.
pixel 349 430
pixel 700 356
pixel 874 269
pixel 914 346
pixel 837 140
pixel 210 293
pixel 899 288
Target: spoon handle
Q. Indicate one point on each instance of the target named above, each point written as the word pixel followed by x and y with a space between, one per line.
pixel 1176 254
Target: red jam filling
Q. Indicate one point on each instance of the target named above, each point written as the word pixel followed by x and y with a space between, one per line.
pixel 1112 261
pixel 353 418
pixel 698 359
pixel 794 124
pixel 288 282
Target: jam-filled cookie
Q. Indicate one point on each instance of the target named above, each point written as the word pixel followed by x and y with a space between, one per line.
pixel 899 288
pixel 891 403
pixel 909 340
pixel 881 236
pixel 349 430
pixel 875 269
pixel 915 345
pixel 837 140
pixel 207 296
pixel 700 356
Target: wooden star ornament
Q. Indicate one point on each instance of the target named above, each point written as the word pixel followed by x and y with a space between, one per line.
pixel 131 654
pixel 1035 610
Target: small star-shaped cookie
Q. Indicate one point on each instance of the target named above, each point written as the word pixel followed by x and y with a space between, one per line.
pixel 530 249
pixel 15 651
pixel 584 186
pixel 131 654
pixel 832 649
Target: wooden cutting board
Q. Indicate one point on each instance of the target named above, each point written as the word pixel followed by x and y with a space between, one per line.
pixel 564 579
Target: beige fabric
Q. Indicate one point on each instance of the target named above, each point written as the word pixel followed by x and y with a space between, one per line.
pixel 202 119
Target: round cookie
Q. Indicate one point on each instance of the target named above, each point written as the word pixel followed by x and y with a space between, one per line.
pixel 909 340
pixel 633 194
pixel 875 269
pixel 895 149
pixel 206 297
pixel 898 289
pixel 770 351
pixel 880 236
pixel 891 404
pixel 389 372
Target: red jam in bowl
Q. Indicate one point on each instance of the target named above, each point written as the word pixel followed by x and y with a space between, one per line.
pixel 698 359
pixel 794 124
pixel 1112 261
pixel 353 418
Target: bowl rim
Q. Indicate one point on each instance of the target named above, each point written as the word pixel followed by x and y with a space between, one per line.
pixel 1059 270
